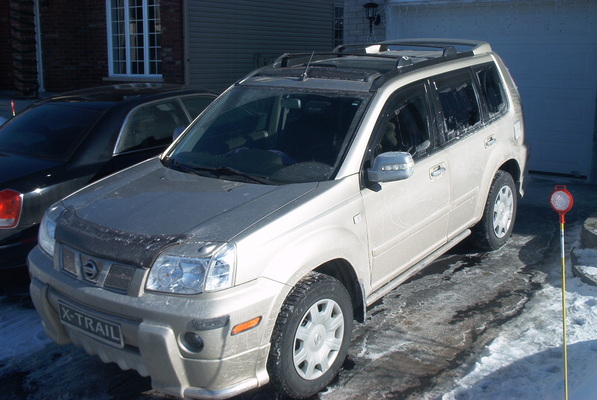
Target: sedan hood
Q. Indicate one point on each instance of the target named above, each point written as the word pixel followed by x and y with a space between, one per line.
pixel 149 206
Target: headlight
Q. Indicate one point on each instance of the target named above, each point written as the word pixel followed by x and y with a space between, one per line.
pixel 47 228
pixel 212 270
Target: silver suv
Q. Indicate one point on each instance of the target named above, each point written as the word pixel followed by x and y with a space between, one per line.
pixel 304 193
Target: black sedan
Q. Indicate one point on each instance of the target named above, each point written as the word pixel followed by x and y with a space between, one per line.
pixel 60 144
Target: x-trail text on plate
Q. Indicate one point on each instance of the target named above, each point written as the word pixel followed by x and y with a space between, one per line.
pixel 309 189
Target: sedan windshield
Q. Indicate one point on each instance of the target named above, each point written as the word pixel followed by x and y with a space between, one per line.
pixel 49 131
pixel 271 135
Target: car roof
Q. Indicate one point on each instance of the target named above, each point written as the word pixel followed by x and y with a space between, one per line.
pixel 364 66
pixel 103 97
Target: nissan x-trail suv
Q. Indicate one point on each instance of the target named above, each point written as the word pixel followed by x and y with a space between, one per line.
pixel 309 189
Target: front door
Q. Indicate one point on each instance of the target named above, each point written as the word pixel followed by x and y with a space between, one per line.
pixel 406 220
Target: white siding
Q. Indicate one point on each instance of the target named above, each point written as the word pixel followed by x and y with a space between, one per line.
pixel 551 49
pixel 227 39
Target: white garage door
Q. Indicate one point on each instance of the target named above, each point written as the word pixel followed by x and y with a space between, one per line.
pixel 551 49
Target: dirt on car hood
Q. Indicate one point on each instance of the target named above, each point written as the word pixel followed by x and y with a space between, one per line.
pixel 148 207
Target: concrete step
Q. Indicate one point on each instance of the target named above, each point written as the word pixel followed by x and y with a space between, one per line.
pixel 588 235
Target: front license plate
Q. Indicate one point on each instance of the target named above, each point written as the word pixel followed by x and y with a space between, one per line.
pixel 98 328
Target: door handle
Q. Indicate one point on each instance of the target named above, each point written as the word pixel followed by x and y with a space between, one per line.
pixel 490 141
pixel 437 171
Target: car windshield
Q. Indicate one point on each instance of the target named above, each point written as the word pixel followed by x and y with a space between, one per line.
pixel 49 131
pixel 271 135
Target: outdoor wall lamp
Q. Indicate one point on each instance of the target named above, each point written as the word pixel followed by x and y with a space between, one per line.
pixel 372 15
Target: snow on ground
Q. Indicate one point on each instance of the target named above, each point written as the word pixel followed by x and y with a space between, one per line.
pixel 526 360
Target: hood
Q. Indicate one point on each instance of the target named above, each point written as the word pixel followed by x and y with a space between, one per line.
pixel 16 167
pixel 150 206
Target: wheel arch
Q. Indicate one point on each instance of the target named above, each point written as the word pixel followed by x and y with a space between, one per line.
pixel 513 168
pixel 341 270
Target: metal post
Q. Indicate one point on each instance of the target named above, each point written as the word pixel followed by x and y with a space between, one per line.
pixel 561 201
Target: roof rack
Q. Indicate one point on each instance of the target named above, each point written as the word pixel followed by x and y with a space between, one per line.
pixel 447 45
pixel 355 62
pixel 387 49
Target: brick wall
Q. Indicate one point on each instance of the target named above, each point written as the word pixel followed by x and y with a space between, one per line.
pixel 172 41
pixel 21 57
pixel 74 43
pixel 356 25
pixel 6 77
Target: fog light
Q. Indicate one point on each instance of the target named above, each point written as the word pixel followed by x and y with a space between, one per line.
pixel 193 342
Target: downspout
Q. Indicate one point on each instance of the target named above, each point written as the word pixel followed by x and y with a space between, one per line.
pixel 185 35
pixel 38 50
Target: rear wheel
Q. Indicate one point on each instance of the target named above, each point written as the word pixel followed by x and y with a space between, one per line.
pixel 311 336
pixel 495 228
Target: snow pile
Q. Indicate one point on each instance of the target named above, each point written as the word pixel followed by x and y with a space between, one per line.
pixel 526 360
pixel 586 262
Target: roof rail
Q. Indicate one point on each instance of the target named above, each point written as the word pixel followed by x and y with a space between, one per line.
pixel 407 54
pixel 448 46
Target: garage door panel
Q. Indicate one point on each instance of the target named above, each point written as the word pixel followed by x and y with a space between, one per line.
pixel 561 157
pixel 551 50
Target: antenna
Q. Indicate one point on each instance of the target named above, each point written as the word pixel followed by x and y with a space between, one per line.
pixel 304 75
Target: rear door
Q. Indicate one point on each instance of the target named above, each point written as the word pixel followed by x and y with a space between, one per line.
pixel 406 220
pixel 471 139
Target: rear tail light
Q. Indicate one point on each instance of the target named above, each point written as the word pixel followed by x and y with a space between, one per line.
pixel 11 204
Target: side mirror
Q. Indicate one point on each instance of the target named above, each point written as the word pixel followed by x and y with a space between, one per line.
pixel 177 132
pixel 391 166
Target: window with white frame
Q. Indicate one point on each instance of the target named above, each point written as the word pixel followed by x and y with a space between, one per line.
pixel 134 33
pixel 338 25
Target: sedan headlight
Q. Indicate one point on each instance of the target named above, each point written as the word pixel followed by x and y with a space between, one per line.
pixel 47 228
pixel 212 270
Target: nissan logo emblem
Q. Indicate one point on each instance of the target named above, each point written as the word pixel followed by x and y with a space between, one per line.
pixel 90 270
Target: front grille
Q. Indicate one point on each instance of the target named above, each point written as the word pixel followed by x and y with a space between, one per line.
pixel 70 261
pixel 119 277
pixel 96 271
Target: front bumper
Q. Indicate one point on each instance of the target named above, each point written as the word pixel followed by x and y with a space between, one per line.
pixel 154 326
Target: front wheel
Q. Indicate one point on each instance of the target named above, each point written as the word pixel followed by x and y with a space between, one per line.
pixel 495 228
pixel 311 336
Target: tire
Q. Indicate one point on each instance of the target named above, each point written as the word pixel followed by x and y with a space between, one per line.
pixel 497 223
pixel 311 337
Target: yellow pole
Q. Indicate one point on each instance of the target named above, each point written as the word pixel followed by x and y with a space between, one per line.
pixel 564 309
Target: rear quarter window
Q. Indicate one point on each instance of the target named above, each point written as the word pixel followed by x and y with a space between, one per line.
pixel 491 89
pixel 151 125
pixel 195 105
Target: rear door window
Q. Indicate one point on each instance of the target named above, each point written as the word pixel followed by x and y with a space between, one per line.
pixel 458 102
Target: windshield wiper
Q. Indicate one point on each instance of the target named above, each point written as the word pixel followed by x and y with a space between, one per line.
pixel 172 162
pixel 228 171
pixel 217 172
